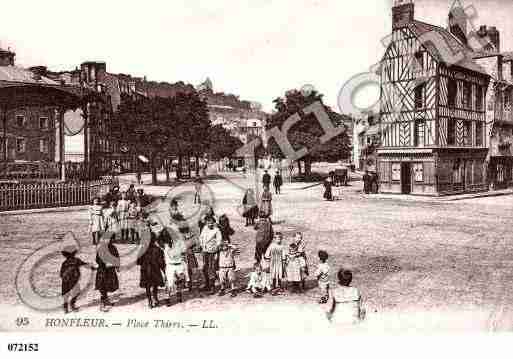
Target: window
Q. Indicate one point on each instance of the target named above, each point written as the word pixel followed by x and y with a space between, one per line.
pixel 419 95
pixel 418 172
pixel 507 100
pixel 479 133
pixel 20 145
pixel 43 123
pixel 468 133
pixel 420 126
pixel 479 98
pixel 451 131
pixel 20 120
pixel 452 89
pixel 43 146
pixel 419 61
pixel 396 171
pixel 467 95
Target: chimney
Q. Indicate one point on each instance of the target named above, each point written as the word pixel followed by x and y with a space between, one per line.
pixel 492 44
pixel 7 57
pixel 494 36
pixel 457 24
pixel 403 13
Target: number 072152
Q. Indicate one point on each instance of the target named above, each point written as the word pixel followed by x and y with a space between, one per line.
pixel 22 347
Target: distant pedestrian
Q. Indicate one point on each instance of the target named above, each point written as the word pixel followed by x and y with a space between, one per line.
pixel 266 180
pixel 366 182
pixel 323 276
pixel 133 214
pixel 198 184
pixel 96 220
pixel 328 185
pixel 249 207
pixel 152 269
pixel 277 182
pixel 107 258
pixel 70 277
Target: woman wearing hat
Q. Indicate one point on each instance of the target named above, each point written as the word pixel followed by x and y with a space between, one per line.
pixel 107 258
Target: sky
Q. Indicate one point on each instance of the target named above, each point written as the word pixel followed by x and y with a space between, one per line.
pixel 256 49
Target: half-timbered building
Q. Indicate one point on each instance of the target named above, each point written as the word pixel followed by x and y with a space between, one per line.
pixel 433 113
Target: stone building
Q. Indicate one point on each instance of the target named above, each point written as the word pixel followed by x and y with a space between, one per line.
pixel 26 134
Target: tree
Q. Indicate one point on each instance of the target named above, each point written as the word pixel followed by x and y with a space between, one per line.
pixel 221 143
pixel 160 127
pixel 307 132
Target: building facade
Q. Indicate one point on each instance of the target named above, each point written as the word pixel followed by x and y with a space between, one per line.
pixel 434 114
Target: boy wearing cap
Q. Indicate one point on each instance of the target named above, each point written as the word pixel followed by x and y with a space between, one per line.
pixel 227 267
pixel 70 277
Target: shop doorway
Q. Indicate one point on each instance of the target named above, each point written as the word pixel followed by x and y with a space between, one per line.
pixel 405 178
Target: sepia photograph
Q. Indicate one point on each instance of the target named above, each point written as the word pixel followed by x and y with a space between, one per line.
pixel 267 167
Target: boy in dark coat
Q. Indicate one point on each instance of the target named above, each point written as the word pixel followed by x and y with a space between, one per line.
pixel 152 266
pixel 108 261
pixel 277 182
pixel 70 276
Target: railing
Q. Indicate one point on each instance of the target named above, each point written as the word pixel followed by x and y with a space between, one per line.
pixel 47 195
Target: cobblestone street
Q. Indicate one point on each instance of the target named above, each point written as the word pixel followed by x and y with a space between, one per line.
pixel 421 265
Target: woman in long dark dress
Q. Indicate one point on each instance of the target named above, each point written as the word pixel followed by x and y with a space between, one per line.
pixel 108 261
pixel 264 236
pixel 152 268
pixel 250 207
pixel 328 194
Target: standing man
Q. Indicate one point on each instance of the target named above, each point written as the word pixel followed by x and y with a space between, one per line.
pixel 266 180
pixel 366 182
pixel 210 240
pixel 197 189
pixel 277 182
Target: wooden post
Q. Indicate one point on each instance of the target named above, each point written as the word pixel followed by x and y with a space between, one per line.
pixel 3 113
pixel 86 142
pixel 60 133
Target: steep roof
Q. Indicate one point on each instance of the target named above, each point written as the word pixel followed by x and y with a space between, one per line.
pixel 420 29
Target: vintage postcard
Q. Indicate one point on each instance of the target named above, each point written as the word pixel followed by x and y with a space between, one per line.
pixel 255 167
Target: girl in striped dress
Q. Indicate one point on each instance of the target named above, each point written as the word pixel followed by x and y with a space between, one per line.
pixel 96 221
pixel 276 254
pixel 122 208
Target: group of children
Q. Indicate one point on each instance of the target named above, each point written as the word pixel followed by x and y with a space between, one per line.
pixel 282 265
pixel 122 216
